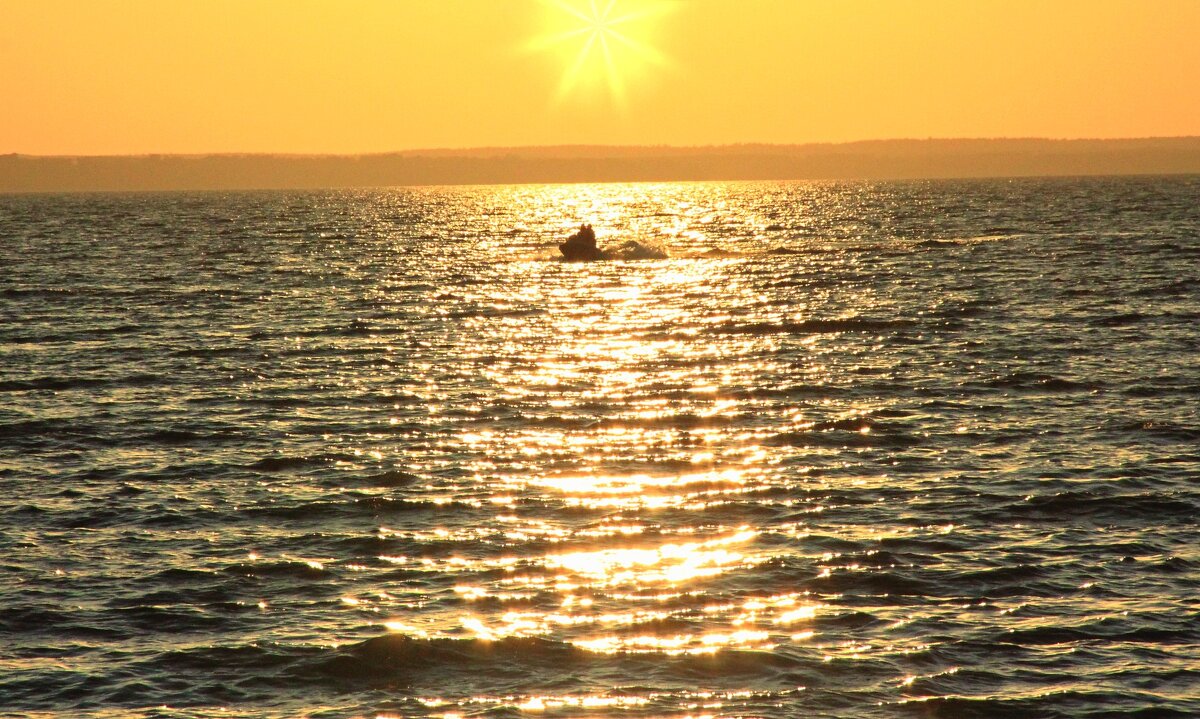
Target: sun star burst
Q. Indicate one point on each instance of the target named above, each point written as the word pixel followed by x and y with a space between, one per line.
pixel 608 48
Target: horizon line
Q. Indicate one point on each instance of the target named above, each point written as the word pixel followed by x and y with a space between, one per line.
pixel 590 146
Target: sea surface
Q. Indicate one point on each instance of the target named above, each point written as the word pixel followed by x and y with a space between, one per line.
pixel 865 450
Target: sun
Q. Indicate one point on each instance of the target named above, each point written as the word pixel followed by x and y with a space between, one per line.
pixel 603 42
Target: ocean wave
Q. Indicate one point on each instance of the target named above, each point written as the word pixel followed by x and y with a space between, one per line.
pixel 298 462
pixel 59 384
pixel 1104 631
pixel 1119 320
pixel 1162 430
pixel 506 659
pixel 1039 382
pixel 1083 504
pixel 811 326
pixel 397 654
pixel 1050 705
pixel 867 436
pixel 321 510
pixel 1175 288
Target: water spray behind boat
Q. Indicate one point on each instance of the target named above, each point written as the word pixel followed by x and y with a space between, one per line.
pixel 582 247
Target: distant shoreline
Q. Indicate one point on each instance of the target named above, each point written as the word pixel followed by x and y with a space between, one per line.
pixel 867 160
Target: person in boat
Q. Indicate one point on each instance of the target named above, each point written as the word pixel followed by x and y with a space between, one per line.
pixel 581 246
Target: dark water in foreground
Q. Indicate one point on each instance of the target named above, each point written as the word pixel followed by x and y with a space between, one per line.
pixel 370 453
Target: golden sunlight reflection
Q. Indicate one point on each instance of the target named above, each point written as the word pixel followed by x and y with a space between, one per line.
pixel 668 563
pixel 626 486
pixel 679 644
pixel 539 703
pixel 616 599
pixel 641 484
pixel 748 629
pixel 697 703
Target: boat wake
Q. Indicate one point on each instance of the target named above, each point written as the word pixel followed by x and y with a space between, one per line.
pixel 581 247
pixel 635 250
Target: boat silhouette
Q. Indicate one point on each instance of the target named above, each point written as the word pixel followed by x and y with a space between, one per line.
pixel 581 246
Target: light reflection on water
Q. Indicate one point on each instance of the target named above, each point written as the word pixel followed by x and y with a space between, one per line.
pixel 867 456
pixel 619 373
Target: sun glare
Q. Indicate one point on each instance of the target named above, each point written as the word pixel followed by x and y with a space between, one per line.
pixel 603 43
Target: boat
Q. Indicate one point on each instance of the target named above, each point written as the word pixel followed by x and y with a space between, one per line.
pixel 581 246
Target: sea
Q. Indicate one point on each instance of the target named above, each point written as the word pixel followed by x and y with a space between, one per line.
pixel 851 449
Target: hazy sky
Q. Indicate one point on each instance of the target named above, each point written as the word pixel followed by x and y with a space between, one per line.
pixel 140 76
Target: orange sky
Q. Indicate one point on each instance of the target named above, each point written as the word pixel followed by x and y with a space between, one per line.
pixel 187 76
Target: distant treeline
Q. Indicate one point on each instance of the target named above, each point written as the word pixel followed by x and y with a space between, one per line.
pixel 884 159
